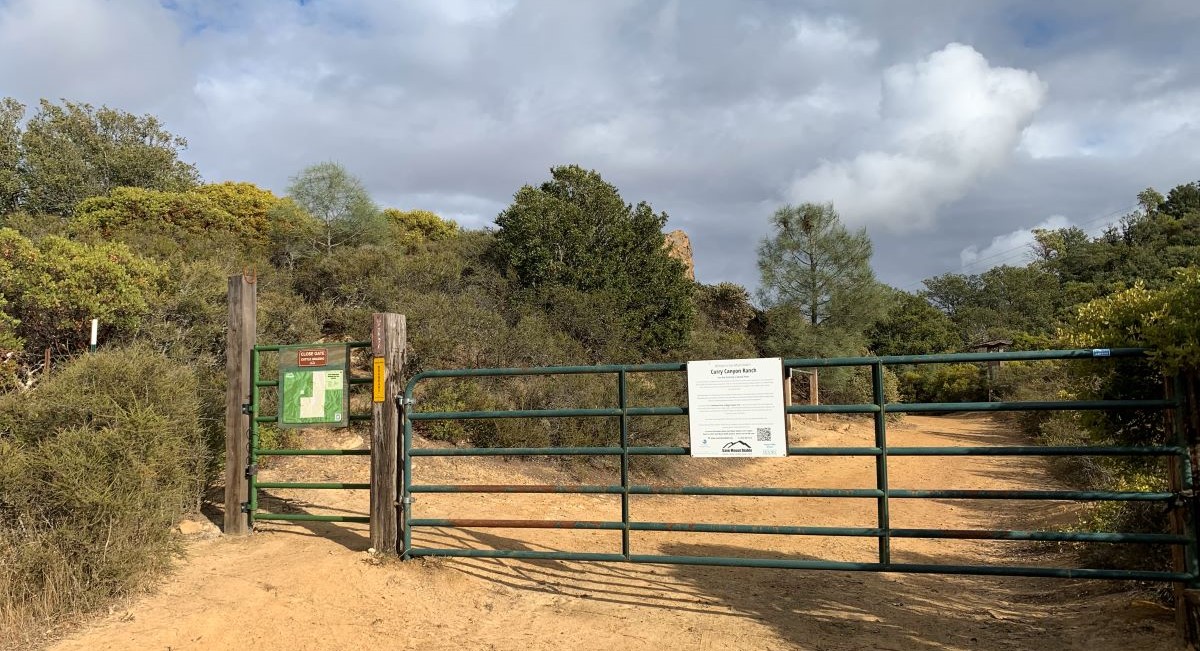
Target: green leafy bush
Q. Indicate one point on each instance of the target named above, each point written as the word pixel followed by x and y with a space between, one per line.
pixel 1163 320
pixel 55 287
pixel 237 208
pixel 575 231
pixel 412 228
pixel 943 383
pixel 96 465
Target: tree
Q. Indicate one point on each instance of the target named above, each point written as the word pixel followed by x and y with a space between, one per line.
pixel 816 284
pixel 75 151
pixel 814 265
pixel 912 327
pixel 953 294
pixel 1024 299
pixel 1003 301
pixel 11 112
pixel 1182 200
pixel 725 305
pixel 575 231
pixel 293 233
pixel 1163 234
pixel 722 329
pixel 341 204
pixel 1149 200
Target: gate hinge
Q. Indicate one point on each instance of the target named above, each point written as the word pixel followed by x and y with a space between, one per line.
pixel 245 507
pixel 405 402
pixel 251 470
pixel 406 500
pixel 247 408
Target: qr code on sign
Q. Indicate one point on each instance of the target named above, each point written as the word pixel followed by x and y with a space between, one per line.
pixel 764 433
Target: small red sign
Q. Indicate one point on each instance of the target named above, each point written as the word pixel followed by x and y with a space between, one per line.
pixel 312 357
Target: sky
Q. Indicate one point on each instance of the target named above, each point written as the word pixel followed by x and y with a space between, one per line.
pixel 946 129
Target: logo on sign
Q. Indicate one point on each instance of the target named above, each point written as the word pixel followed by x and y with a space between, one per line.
pixel 736 447
pixel 312 357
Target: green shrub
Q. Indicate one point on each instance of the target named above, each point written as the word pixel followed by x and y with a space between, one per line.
pixel 943 383
pixel 1163 320
pixel 1128 516
pixel 454 395
pixel 55 287
pixel 853 385
pixel 96 465
pixel 237 208
pixel 412 228
pixel 284 317
pixel 1068 429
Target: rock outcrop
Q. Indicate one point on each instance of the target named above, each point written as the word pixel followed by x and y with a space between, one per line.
pixel 679 246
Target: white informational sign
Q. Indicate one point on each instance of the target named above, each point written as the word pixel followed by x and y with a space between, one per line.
pixel 735 408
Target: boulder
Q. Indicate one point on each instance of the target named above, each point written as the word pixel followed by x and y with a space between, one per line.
pixel 198 528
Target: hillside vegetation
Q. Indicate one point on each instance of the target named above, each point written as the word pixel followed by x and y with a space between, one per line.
pixel 100 217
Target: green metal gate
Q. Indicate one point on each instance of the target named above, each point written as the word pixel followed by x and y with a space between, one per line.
pixel 883 493
pixel 257 419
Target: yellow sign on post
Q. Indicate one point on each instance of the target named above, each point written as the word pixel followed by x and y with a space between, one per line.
pixel 379 377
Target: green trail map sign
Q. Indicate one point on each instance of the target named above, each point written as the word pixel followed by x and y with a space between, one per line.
pixel 314 387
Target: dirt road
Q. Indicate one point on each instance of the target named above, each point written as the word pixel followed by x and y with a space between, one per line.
pixel 300 588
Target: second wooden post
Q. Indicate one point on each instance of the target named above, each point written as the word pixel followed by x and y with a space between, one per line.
pixel 388 343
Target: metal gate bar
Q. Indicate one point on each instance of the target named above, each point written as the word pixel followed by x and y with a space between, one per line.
pixel 882 493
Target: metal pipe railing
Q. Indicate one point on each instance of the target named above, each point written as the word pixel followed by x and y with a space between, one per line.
pixel 882 493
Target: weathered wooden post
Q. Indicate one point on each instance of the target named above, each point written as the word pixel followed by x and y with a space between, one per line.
pixel 1185 421
pixel 1178 519
pixel 388 345
pixel 812 390
pixel 787 400
pixel 814 387
pixel 239 341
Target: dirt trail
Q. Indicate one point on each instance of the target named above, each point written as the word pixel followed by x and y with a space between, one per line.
pixel 314 587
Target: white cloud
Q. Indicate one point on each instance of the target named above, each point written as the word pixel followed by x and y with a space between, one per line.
pixel 1013 248
pixel 466 11
pixel 713 112
pixel 831 36
pixel 1115 129
pixel 944 122
pixel 91 51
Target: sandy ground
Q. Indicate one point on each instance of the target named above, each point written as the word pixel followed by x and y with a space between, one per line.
pixel 312 587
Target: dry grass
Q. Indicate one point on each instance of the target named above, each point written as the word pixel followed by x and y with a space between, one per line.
pixel 95 468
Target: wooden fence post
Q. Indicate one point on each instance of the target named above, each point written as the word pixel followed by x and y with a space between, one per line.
pixel 239 340
pixel 814 389
pixel 787 400
pixel 1178 520
pixel 388 343
pixel 1187 427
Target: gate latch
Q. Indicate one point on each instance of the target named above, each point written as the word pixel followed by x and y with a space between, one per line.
pixel 1179 501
